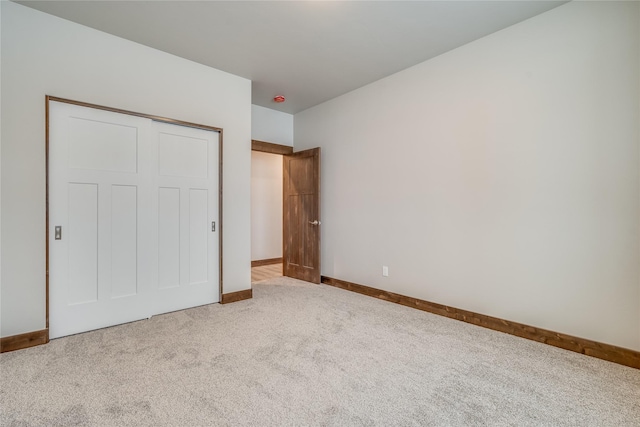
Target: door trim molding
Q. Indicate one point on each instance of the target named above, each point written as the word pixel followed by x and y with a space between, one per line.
pixel 133 113
pixel 26 340
pixel 269 147
pixel 48 99
pixel 608 352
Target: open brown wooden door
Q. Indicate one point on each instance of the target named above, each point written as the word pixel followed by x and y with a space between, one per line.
pixel 301 215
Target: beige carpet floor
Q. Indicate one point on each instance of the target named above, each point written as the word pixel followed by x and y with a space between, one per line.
pixel 301 354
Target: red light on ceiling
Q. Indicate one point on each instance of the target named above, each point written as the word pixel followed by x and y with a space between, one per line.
pixel 278 98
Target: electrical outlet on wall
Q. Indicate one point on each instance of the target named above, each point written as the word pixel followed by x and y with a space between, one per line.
pixel 385 271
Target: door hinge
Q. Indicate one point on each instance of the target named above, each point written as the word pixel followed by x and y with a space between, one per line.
pixel 213 226
pixel 58 232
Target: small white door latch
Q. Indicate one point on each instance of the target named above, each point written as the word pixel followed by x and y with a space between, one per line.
pixel 58 232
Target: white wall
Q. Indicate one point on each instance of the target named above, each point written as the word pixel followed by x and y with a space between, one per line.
pixel 501 177
pixel 271 126
pixel 41 55
pixel 266 206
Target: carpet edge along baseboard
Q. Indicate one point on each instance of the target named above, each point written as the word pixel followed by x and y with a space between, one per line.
pixel 32 339
pixel 608 352
pixel 236 296
pixel 26 340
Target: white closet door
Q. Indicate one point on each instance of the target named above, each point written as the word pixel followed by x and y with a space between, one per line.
pixel 186 201
pixel 99 173
pixel 121 222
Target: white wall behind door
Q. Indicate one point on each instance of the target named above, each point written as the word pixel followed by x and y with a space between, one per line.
pixel 505 178
pixel 266 205
pixel 271 126
pixel 45 55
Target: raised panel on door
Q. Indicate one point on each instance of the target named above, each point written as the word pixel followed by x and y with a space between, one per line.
pixel 198 236
pixel 124 240
pixel 310 256
pixel 82 232
pixel 168 237
pixel 180 155
pixel 101 145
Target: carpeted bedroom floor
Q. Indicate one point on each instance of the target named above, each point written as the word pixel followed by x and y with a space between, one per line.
pixel 302 354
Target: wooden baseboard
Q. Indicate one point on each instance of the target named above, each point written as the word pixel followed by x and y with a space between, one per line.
pixel 611 353
pixel 236 296
pixel 18 342
pixel 268 261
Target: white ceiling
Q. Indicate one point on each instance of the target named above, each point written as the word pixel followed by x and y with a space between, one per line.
pixel 309 51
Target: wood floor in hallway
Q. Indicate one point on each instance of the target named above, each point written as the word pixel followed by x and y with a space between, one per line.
pixel 265 272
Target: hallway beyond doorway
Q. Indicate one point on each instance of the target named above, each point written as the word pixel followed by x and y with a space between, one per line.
pixel 265 272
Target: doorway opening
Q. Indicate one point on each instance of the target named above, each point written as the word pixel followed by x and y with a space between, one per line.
pixel 300 201
pixel 266 209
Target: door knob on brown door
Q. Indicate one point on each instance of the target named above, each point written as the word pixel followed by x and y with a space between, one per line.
pixel 316 222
